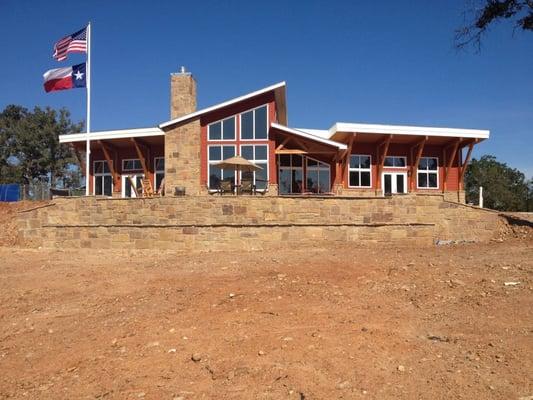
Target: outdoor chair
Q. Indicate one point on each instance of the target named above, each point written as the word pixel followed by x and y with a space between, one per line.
pixel 226 187
pixel 247 186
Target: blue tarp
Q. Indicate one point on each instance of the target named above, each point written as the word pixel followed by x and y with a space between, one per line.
pixel 9 192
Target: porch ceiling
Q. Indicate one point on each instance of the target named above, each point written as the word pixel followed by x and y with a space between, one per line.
pixel 121 143
pixel 376 138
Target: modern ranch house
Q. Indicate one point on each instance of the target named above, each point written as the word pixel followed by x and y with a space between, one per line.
pixel 348 159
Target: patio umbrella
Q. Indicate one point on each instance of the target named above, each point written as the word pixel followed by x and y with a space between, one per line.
pixel 238 163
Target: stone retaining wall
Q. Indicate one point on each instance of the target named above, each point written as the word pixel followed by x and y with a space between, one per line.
pixel 229 222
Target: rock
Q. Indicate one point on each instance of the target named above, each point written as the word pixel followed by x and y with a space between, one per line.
pixel 141 394
pixel 152 344
pixel 343 385
pixel 196 357
pixel 261 353
pixel 171 350
pixel 511 283
pixel 231 295
pixel 287 339
pixel 401 368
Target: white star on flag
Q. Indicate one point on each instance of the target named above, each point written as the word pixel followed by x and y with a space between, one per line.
pixel 78 75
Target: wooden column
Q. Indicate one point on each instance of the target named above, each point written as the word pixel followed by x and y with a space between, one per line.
pixel 454 147
pixel 465 164
pixel 346 159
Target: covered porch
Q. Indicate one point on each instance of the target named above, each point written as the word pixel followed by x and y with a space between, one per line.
pixel 123 163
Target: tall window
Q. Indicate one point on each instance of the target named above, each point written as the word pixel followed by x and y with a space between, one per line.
pixel 317 178
pixel 428 173
pixel 254 124
pixel 222 130
pixel 103 180
pixel 360 171
pixel 290 173
pixel 159 168
pixel 216 154
pixel 258 154
pixel 395 162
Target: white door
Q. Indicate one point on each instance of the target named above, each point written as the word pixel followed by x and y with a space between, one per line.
pixel 394 182
pixel 127 180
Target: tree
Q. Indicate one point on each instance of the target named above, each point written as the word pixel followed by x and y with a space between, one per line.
pixel 481 14
pixel 32 147
pixel 504 188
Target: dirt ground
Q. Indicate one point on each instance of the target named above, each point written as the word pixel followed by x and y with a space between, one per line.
pixel 440 322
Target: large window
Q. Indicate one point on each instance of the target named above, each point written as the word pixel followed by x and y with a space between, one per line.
pixel 258 154
pixel 159 168
pixel 222 130
pixel 103 180
pixel 131 165
pixel 395 162
pixel 317 177
pixel 254 124
pixel 216 154
pixel 360 171
pixel 290 173
pixel 428 173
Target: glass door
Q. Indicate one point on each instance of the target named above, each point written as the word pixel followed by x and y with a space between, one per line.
pixel 394 182
pixel 127 185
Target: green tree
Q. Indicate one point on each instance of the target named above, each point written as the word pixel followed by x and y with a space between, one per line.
pixel 483 13
pixel 31 148
pixel 504 188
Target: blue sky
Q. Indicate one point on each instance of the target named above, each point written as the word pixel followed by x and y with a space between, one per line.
pixel 388 62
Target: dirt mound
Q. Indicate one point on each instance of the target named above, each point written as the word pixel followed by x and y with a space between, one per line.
pixel 8 220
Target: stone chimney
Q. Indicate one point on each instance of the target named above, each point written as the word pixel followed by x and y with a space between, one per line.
pixel 182 93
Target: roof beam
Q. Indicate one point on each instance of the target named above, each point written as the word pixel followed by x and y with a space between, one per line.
pixel 385 144
pixel 465 164
pixel 414 167
pixel 106 149
pixel 140 154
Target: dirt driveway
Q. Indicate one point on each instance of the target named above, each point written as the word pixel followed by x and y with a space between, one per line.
pixel 344 323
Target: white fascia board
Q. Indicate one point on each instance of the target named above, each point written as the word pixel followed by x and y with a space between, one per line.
pixel 198 113
pixel 340 146
pixel 323 133
pixel 409 130
pixel 106 135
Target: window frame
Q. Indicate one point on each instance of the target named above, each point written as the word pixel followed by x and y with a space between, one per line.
pixel 254 139
pixel 317 168
pixel 221 121
pixel 255 160
pixel 291 168
pixel 102 175
pixel 134 169
pixel 427 172
pixel 388 166
pixel 359 170
pixel 158 171
pixel 209 162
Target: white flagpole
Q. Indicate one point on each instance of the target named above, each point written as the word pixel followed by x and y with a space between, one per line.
pixel 88 85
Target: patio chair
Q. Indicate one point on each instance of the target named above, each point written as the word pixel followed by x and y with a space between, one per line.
pixel 247 186
pixel 226 187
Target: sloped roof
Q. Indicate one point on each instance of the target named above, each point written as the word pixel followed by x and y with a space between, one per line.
pixel 307 135
pixel 278 88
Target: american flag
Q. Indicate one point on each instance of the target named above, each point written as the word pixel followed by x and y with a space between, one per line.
pixel 75 43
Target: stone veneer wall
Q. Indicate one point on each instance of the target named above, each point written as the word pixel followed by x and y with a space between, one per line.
pixel 243 222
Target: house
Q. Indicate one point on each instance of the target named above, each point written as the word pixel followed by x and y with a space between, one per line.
pixel 348 159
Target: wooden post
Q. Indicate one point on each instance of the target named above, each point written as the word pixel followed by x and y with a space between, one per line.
pixel 381 161
pixel 347 158
pixel 465 164
pixel 450 163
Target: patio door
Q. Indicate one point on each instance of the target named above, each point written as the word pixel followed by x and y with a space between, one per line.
pixel 127 187
pixel 394 182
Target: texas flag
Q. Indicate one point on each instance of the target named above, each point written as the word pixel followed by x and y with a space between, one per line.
pixel 65 78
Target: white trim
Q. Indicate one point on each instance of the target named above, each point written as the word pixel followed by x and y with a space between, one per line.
pixel 101 174
pixel 118 134
pixel 340 146
pixel 394 189
pixel 209 162
pixel 252 110
pixel 254 145
pixel 427 171
pixel 408 130
pixel 234 116
pixel 369 169
pixel 134 178
pixel 131 159
pixel 388 166
pixel 221 105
